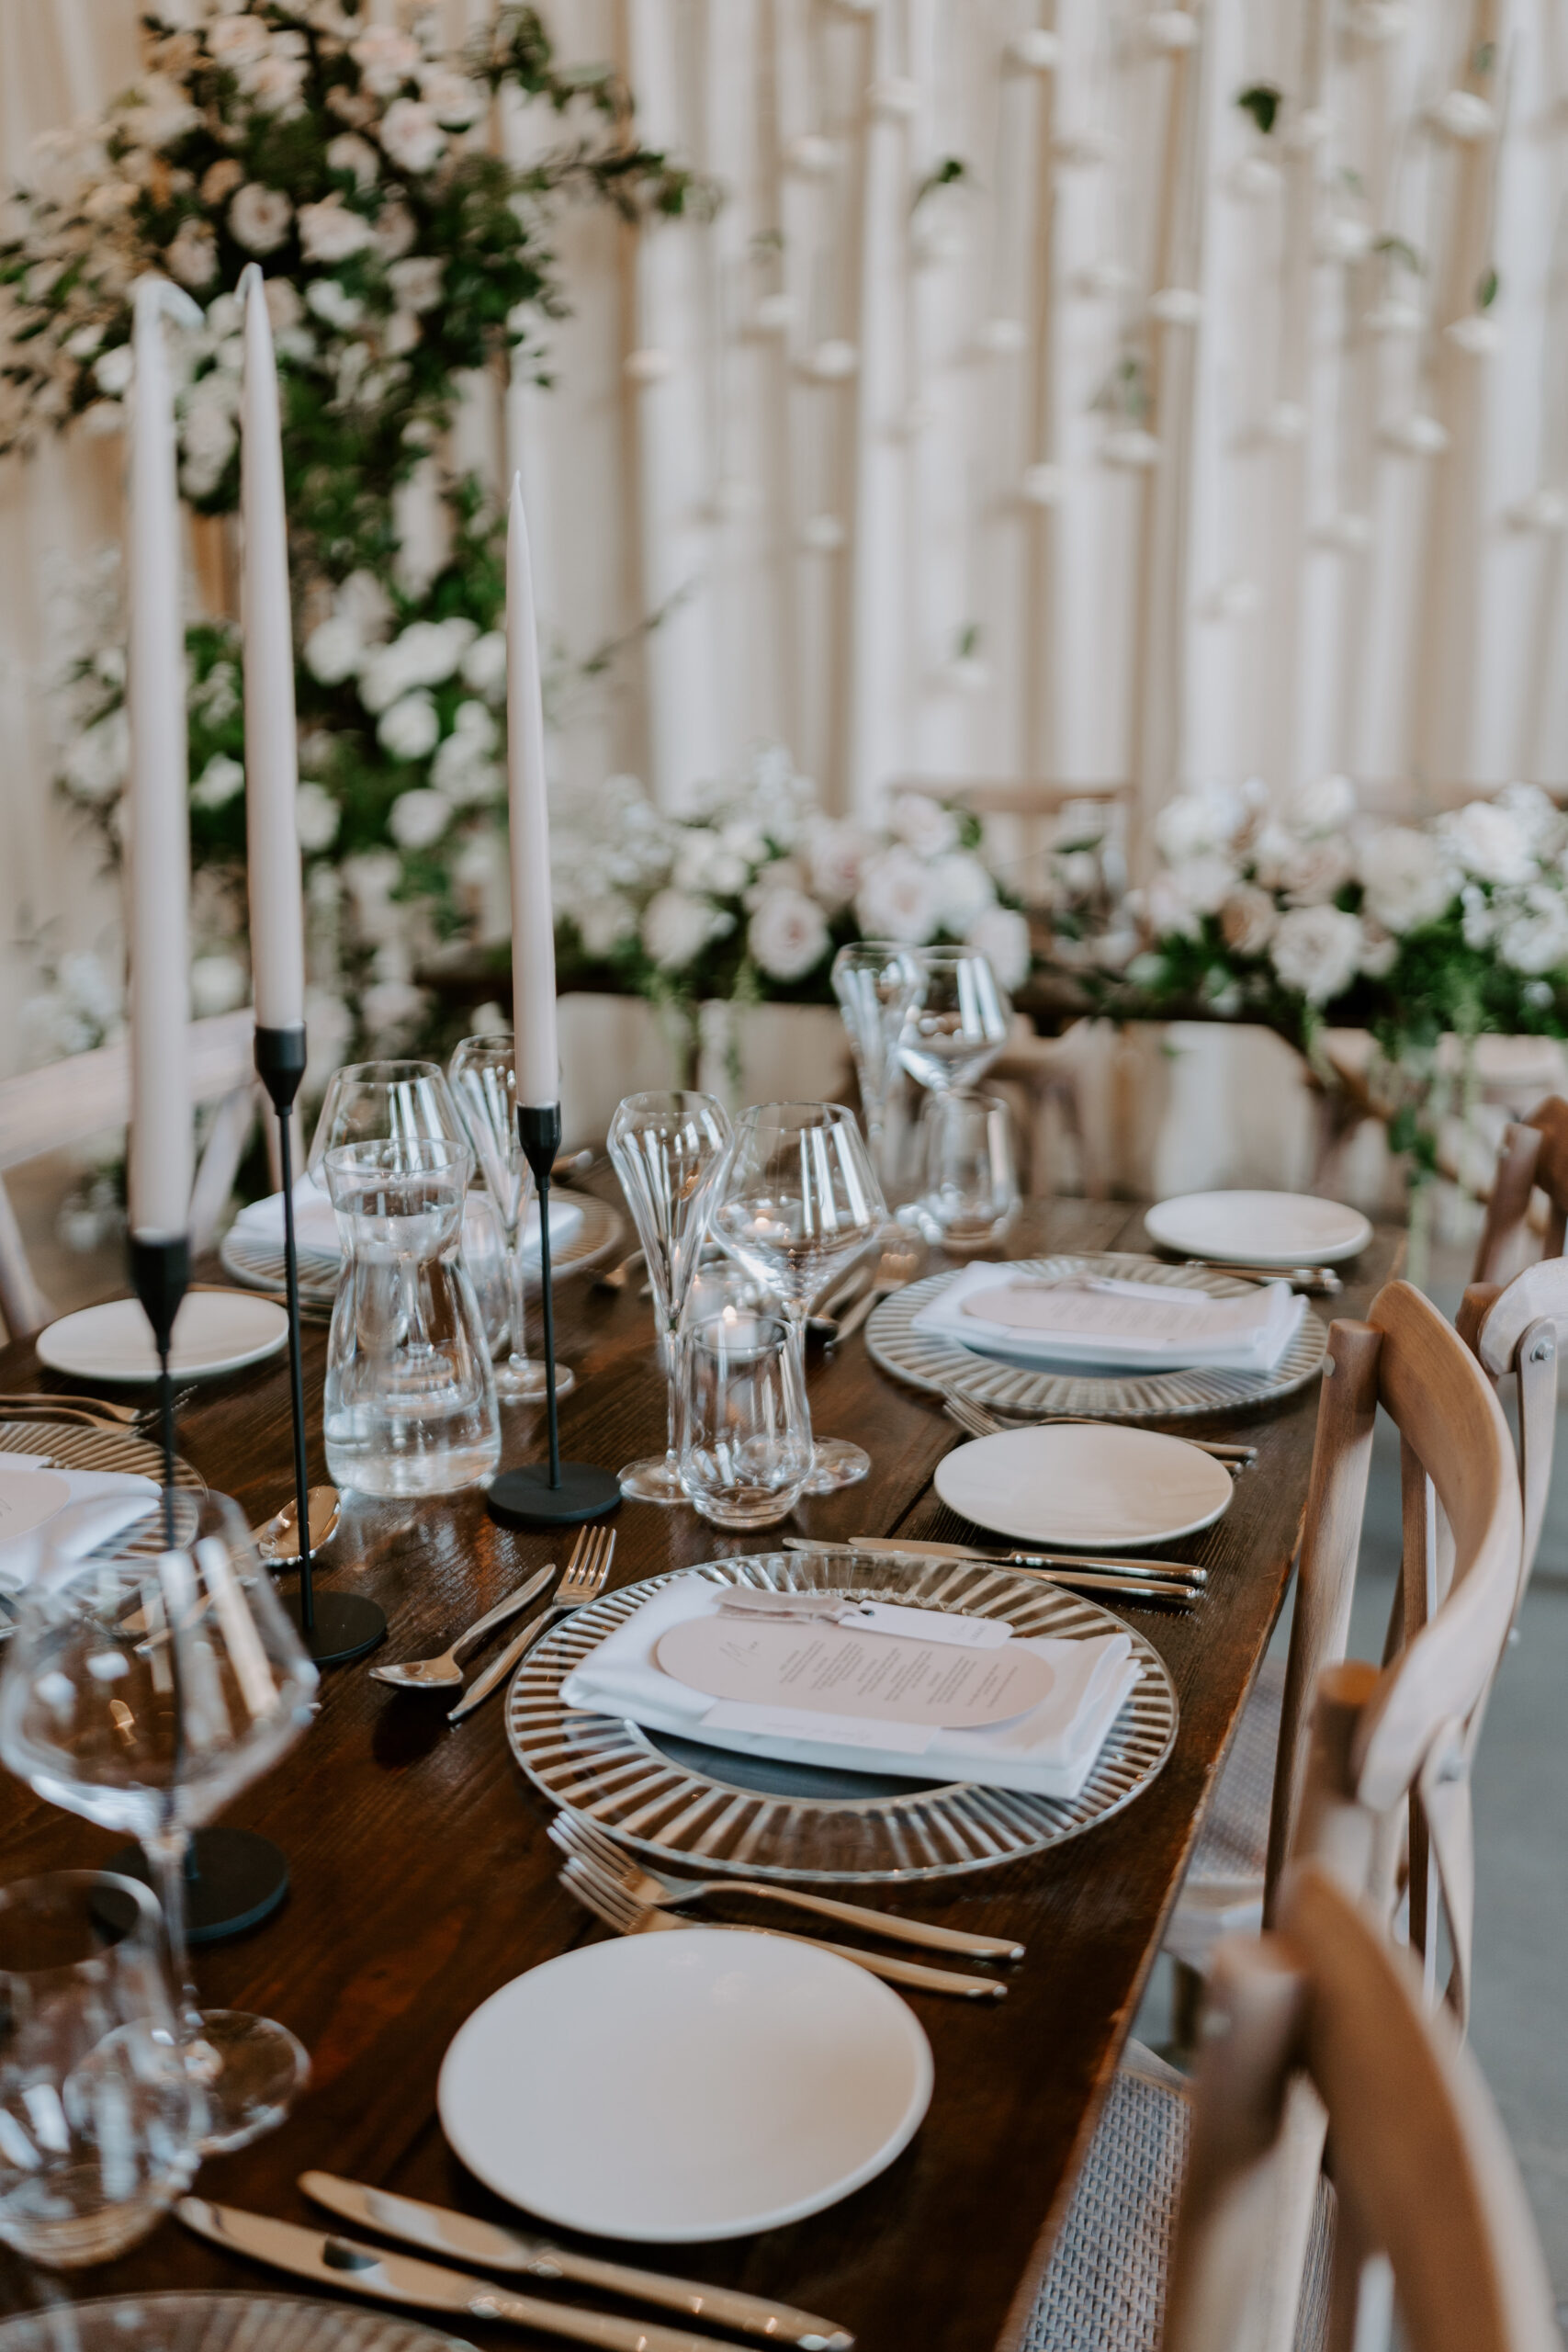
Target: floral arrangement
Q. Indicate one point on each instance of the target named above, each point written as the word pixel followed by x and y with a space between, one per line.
pixel 748 894
pixel 1316 914
pixel 355 162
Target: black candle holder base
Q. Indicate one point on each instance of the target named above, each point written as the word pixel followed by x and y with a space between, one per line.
pixel 236 1881
pixel 527 1498
pixel 343 1624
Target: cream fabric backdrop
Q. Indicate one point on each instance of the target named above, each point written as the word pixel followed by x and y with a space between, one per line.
pixel 860 450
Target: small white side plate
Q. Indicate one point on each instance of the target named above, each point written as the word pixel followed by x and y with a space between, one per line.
pixel 679 2086
pixel 215 1330
pixel 1086 1486
pixel 1258 1229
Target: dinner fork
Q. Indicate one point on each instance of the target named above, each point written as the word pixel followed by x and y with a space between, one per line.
pixel 587 1842
pixel 979 1421
pixel 584 1580
pixel 100 1411
pixel 610 1902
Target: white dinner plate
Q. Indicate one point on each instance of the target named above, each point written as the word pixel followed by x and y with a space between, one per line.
pixel 1088 1486
pixel 689 2086
pixel 1258 1229
pixel 215 1330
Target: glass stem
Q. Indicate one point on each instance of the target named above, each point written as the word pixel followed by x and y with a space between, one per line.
pixel 795 1320
pixel 167 1852
pixel 672 1395
pixel 517 1299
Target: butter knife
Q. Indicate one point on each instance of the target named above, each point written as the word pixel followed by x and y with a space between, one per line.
pixel 467 2240
pixel 426 2286
pixel 498 1670
pixel 1064 1567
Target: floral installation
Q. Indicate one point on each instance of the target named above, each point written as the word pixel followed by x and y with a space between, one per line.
pixel 1314 913
pixel 355 163
pixel 747 894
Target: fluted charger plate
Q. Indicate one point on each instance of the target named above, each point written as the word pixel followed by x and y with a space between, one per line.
pixel 181 2322
pixel 928 1360
pixel 751 1816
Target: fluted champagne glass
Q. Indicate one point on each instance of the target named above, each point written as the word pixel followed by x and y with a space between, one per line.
pixel 796 1203
pixel 667 1150
pixel 876 982
pixel 484 1082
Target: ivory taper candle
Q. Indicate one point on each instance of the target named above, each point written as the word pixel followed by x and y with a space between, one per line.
pixel 272 778
pixel 533 920
pixel 158 831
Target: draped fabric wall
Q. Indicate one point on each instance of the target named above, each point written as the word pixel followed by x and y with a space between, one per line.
pixel 1027 411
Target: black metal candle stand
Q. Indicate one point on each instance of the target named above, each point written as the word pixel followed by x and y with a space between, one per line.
pixel 552 1493
pixel 334 1626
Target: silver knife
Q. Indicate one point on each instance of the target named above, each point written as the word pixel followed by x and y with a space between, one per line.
pixel 467 2240
pixel 399 2279
pixel 496 1671
pixel 1062 1564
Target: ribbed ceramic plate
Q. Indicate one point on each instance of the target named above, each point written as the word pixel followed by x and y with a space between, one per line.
pixel 752 1816
pixel 217 2323
pixel 71 1446
pixel 260 1262
pixel 927 1359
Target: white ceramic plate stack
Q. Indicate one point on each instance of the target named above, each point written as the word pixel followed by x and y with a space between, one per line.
pixel 1259 1228
pixel 1085 1487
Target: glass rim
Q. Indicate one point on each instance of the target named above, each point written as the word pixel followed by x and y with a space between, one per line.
pixel 730 1317
pixel 392 1072
pixel 668 1098
pixel 488 1041
pixel 823 1115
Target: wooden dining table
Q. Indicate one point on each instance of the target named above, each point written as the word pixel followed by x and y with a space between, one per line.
pixel 422 1879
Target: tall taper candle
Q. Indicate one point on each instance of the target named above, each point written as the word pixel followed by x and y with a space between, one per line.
pixel 533 921
pixel 272 779
pixel 158 834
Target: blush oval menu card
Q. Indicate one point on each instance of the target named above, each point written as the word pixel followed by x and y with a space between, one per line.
pixel 832 1670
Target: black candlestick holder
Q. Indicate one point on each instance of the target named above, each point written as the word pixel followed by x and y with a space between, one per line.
pixel 334 1626
pixel 235 1879
pixel 553 1493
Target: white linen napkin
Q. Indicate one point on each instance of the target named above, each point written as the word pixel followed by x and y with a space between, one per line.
pixel 315 1220
pixel 124 1496
pixel 1050 1751
pixel 1091 1322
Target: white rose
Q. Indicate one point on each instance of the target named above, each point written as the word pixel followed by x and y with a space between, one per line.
pixel 114 371
pixel 329 231
pixel 259 218
pixel 192 255
pixel 484 665
pixel 1379 951
pixel 220 180
pixel 464 770
pixel 386 58
pixel 274 83
pixel 218 983
pixel 236 41
pixel 705 865
pixel 963 889
pixel 1534 938
pixel 417 818
pixel 283 305
pixel 426 654
pixel 1403 879
pixel 349 153
pixel 411 136
pixel 410 730
pixel 316 817
pixel 923 823
pixel 1537 816
pixel 393 1008
pixel 218 782
pixel 395 231
pixel 1195 822
pixel 1488 841
pixel 418 282
pixel 452 98
pixel 604 922
pixel 1248 919
pixel 836 853
pixel 1324 806
pixel 1479 919
pixel 895 900
pixel 96 763
pixel 1315 870
pixel 1316 951
pixel 1001 934
pixel 1202 884
pixel 787 936
pixel 329 301
pixel 334 649
pixel 676 927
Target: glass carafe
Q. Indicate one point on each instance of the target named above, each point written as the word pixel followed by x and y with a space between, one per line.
pixel 410 1403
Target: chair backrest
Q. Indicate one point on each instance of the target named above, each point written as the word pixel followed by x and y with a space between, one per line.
pixel 1422 2172
pixel 1423 1709
pixel 1534 1156
pixel 50 1109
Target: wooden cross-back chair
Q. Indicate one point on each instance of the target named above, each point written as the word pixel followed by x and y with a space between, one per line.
pixel 47 1110
pixel 1408 1764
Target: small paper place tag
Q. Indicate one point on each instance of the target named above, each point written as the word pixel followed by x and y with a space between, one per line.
pixel 839 1670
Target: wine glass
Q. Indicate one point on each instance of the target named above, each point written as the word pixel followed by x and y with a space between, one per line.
pixel 383 1103
pixel 484 1082
pixel 667 1150
pixel 146 1683
pixel 877 983
pixel 796 1203
pixel 958 1023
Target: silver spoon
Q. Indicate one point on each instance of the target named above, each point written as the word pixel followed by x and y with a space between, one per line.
pixel 277 1537
pixel 444 1673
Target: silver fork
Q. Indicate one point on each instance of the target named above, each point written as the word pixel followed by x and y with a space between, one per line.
pixel 99 1411
pixel 584 1580
pixel 609 1901
pixel 978 1420
pixel 585 1841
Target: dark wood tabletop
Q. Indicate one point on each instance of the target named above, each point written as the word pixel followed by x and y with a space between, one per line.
pixel 422 1879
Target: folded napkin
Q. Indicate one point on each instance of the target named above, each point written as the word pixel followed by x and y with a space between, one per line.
pixel 123 1495
pixel 1094 1321
pixel 315 1220
pixel 1050 1751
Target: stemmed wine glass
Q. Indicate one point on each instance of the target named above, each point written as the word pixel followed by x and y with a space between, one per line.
pixel 387 1101
pixel 958 1023
pixel 667 1150
pixel 796 1203
pixel 484 1082
pixel 877 983
pixel 147 1682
